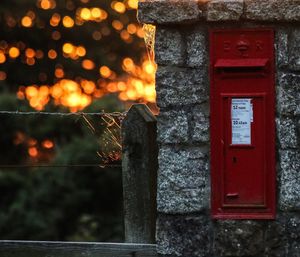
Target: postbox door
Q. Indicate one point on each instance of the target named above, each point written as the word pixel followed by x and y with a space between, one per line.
pixel 242 124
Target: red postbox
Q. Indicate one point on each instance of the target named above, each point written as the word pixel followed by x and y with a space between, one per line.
pixel 242 123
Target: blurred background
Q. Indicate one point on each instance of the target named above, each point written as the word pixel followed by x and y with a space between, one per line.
pixel 60 175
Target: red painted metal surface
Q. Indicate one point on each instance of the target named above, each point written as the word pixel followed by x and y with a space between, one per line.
pixel 242 124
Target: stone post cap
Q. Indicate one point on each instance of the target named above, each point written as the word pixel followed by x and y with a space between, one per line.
pixel 191 11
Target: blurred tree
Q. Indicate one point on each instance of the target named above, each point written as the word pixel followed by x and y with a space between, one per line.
pixel 61 56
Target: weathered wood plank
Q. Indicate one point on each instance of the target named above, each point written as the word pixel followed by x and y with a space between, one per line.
pixel 139 169
pixel 10 248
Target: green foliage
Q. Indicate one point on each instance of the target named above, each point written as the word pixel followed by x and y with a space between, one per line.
pixel 58 203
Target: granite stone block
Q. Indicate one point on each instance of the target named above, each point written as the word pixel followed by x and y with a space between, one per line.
pixel 172 126
pixel 224 10
pixel 281 41
pixel 286 133
pixel 238 238
pixel 169 47
pixel 200 124
pixel 288 94
pixel 294 50
pixel 271 10
pixel 197 49
pixel 187 236
pixel 289 180
pixel 182 201
pixel 181 86
pixel 183 184
pixel 168 11
pixel 282 236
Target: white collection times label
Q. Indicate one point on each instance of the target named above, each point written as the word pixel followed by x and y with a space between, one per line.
pixel 241 117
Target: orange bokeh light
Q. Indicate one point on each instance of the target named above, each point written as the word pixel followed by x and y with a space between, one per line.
pixel 33 152
pixel 55 19
pixel 30 53
pixel 59 73
pixel 26 21
pixel 2 75
pixel 14 52
pixel 105 71
pixel 117 25
pixel 68 22
pixel 2 57
pixel 52 54
pixel 48 144
pixel 119 7
pixel 88 64
pixel 80 51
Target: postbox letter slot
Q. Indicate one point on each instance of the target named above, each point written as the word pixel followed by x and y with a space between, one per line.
pixel 241 65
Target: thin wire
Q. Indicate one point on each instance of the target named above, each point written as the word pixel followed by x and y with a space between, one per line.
pixel 103 166
pixel 115 114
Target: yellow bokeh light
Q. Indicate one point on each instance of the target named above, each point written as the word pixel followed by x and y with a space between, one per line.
pixel 119 7
pixel 133 4
pixel 31 91
pixel 149 67
pixel 68 48
pixel 68 22
pixel 85 13
pixel 105 72
pixel 96 13
pixel 13 52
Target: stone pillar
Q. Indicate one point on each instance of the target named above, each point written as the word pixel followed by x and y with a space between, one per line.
pixel 184 226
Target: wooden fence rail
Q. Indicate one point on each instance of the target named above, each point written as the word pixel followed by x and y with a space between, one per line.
pixel 10 248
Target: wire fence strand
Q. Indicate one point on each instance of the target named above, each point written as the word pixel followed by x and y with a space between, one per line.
pixel 113 114
pixel 102 166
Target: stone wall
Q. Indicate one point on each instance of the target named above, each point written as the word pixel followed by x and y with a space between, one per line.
pixel 184 225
